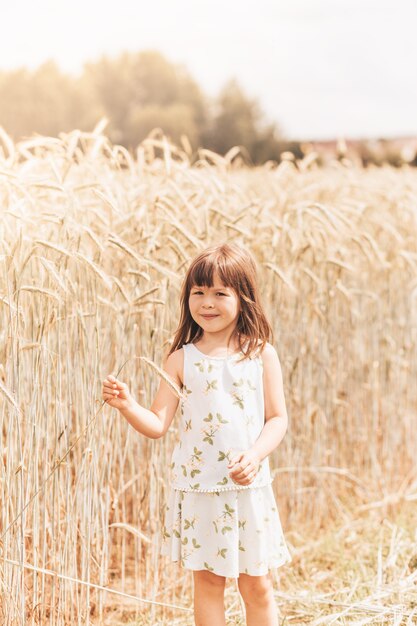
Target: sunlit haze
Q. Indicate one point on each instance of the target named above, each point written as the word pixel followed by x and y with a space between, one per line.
pixel 319 68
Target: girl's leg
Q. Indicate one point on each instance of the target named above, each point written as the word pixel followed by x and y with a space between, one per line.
pixel 258 596
pixel 209 599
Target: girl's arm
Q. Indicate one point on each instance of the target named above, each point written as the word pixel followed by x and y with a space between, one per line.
pixel 153 422
pixel 276 417
pixel 276 420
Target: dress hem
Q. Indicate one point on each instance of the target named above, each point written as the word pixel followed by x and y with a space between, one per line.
pixel 262 572
pixel 224 488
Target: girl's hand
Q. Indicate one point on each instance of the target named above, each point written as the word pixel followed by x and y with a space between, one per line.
pixel 116 393
pixel 245 467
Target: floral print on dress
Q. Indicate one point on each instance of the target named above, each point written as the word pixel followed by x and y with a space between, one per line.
pixel 222 413
pixel 226 533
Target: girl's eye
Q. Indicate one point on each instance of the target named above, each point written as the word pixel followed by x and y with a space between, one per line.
pixel 195 293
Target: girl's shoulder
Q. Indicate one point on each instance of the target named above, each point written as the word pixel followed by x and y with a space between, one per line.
pixel 270 358
pixel 268 355
pixel 267 349
pixel 263 352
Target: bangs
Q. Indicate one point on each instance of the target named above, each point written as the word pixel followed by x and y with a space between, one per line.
pixel 202 273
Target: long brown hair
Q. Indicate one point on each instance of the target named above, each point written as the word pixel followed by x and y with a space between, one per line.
pixel 236 269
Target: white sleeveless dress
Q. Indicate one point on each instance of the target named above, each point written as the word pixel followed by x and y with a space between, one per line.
pixel 211 522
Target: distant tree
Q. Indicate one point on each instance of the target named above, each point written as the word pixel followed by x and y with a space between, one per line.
pixel 14 91
pixel 44 101
pixel 235 120
pixel 267 145
pixel 238 120
pixel 142 90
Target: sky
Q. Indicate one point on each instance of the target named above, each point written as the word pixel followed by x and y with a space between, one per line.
pixel 319 69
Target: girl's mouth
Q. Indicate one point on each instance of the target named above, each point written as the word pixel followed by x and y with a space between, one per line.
pixel 208 317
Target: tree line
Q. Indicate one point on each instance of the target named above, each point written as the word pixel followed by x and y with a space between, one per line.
pixel 137 92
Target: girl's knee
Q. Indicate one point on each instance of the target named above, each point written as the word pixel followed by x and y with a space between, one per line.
pixel 209 580
pixel 255 589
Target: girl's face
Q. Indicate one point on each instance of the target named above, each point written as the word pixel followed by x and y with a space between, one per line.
pixel 214 308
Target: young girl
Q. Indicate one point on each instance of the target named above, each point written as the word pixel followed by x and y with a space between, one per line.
pixel 221 518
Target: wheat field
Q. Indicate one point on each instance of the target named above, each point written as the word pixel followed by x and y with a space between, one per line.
pixel 94 244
